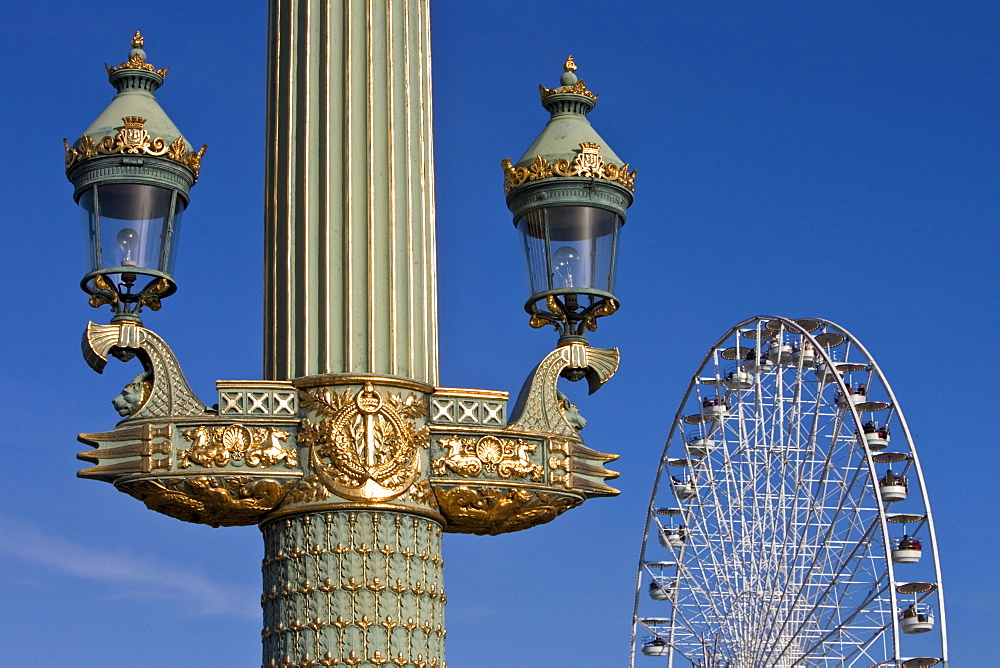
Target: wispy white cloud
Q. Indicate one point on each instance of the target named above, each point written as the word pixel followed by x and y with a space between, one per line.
pixel 129 574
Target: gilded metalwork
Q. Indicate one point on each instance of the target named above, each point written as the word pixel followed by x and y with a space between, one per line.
pixel 214 500
pixel 505 457
pixel 421 492
pixel 108 293
pixel 133 138
pixel 170 394
pixel 565 320
pixel 574 87
pixel 103 291
pixel 331 379
pixel 365 447
pixel 541 409
pixel 137 59
pixel 310 488
pixel 133 447
pixel 492 511
pixel 588 163
pixel 238 445
pixel 579 88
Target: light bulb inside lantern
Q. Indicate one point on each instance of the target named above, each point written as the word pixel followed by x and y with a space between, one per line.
pixel 128 242
pixel 567 267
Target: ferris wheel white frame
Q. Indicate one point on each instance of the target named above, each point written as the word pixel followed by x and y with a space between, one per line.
pixel 709 577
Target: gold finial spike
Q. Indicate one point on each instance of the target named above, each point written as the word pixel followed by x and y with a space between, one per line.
pixel 137 40
pixel 568 66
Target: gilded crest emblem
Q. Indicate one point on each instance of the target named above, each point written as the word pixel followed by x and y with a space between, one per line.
pixel 589 160
pixel 134 134
pixel 365 447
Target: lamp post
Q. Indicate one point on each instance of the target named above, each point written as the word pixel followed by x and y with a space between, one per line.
pixel 349 455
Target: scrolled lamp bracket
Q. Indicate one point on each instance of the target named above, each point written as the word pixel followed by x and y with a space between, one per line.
pixel 126 304
pixel 565 312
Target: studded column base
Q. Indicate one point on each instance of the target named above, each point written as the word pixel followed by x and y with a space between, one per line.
pixel 353 588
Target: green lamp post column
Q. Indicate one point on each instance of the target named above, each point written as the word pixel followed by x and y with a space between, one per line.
pixel 350 319
pixel 349 211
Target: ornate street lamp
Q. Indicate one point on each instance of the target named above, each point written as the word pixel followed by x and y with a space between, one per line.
pixel 568 194
pixel 131 170
pixel 349 455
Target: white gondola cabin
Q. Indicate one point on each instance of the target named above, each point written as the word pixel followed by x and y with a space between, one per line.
pixel 804 355
pixel 654 646
pixel 892 487
pixel 700 446
pixel 755 364
pixel 738 378
pixel 683 490
pixel 876 437
pixel 779 353
pixel 854 396
pixel 713 408
pixel 906 550
pixel 662 590
pixel 673 538
pixel 916 618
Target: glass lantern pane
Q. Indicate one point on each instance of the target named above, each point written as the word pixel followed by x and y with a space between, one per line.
pixel 534 238
pixel 126 225
pixel 570 247
pixel 91 247
pixel 172 235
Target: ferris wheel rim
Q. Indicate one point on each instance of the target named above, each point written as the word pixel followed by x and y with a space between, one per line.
pixel 767 322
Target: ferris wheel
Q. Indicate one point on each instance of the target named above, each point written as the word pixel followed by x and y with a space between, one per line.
pixel 789 524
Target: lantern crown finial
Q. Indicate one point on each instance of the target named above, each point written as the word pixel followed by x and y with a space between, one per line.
pixel 569 84
pixel 136 63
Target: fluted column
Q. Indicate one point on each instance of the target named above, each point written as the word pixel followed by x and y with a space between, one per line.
pixel 349 246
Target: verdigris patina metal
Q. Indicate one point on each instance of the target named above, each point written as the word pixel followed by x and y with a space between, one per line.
pixel 349 455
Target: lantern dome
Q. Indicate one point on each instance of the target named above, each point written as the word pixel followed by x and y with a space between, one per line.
pixel 568 146
pixel 134 123
pixel 568 126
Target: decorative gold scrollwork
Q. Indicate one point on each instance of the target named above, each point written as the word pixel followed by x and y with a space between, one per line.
pixel 579 88
pixel 213 500
pixel 365 447
pixel 107 295
pixel 236 445
pixel 493 510
pixel 588 163
pixel 603 308
pixel 133 138
pixel 504 457
pixel 150 297
pixel 310 488
pixel 421 492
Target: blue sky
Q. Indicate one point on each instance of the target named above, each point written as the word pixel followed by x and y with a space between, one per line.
pixel 827 159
